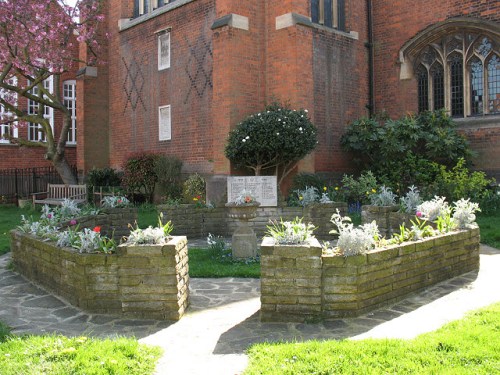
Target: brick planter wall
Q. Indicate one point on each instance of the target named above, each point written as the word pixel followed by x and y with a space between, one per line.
pixel 150 282
pixel 195 222
pixel 113 221
pixel 381 214
pixel 350 286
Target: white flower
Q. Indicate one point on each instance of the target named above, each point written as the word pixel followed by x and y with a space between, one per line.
pixel 243 140
pixel 302 116
pixel 306 111
pixel 300 128
pixel 279 134
pixel 279 120
pixel 247 137
pixel 258 114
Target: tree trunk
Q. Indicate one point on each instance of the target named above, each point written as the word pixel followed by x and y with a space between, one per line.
pixel 62 167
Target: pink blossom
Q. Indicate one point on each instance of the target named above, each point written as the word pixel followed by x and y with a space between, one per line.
pixel 418 214
pixel 72 222
pixel 49 216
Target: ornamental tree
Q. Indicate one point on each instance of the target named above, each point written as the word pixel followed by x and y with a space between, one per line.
pixel 39 39
pixel 277 138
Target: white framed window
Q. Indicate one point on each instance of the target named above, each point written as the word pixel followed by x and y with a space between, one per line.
pixel 7 129
pixel 164 123
pixel 34 133
pixel 164 50
pixel 69 98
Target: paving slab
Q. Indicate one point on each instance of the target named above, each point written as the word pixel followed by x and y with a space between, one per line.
pixel 223 318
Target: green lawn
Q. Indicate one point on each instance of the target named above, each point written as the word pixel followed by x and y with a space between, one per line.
pixel 59 355
pixel 203 264
pixel 490 229
pixel 467 346
pixel 10 217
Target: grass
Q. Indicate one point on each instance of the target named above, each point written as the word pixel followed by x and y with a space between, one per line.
pixel 55 354
pixel 490 229
pixel 10 217
pixel 203 264
pixel 466 346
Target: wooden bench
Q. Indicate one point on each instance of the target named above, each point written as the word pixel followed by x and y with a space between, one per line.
pixel 57 193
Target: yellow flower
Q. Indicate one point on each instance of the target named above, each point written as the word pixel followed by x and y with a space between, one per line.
pixel 367 193
pixel 336 188
pixel 324 188
pixel 374 191
pixel 300 198
pixel 195 199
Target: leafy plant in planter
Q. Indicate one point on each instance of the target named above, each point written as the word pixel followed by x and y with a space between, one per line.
pixel 272 140
pixel 293 232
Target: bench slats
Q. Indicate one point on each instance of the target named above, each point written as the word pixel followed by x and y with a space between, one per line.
pixel 56 193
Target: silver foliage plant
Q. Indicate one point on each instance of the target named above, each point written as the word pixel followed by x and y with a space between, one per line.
pixel 431 210
pixel 308 196
pixel 293 232
pixel 352 240
pixel 464 213
pixel 385 197
pixel 411 200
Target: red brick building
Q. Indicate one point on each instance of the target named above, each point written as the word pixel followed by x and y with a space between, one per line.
pixel 180 74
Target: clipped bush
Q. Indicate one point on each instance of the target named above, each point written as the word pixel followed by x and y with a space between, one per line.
pixel 139 177
pixel 274 139
pixel 168 171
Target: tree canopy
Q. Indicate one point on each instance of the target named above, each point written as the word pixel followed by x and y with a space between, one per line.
pixel 39 39
pixel 276 138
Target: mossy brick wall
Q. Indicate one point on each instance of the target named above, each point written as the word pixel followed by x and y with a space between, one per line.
pixel 382 216
pixel 290 282
pixel 114 222
pixel 350 286
pixel 150 282
pixel 195 222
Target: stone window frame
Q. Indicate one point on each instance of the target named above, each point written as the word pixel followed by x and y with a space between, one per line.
pixel 7 129
pixel 436 44
pixel 165 123
pixel 320 14
pixel 69 100
pixel 34 134
pixel 164 59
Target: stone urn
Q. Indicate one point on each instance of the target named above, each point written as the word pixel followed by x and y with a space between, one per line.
pixel 244 240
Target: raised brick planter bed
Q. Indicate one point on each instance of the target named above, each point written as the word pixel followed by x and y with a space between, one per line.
pixel 149 282
pixel 301 284
pixel 195 222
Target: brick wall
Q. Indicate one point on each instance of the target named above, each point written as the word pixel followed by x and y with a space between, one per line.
pixel 150 282
pixel 396 22
pixel 301 284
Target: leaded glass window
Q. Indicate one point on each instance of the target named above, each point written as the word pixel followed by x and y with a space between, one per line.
pixel 457 85
pixel 463 74
pixel 476 86
pixel 437 73
pixel 494 84
pixel 423 89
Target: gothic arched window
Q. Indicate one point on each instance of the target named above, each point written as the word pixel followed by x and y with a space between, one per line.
pixel 461 73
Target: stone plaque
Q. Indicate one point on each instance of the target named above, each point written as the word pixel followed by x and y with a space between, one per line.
pixel 263 188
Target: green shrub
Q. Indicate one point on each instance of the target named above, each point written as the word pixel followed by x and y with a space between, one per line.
pixel 274 139
pixel 360 189
pixel 168 171
pixel 402 152
pixel 194 189
pixel 102 177
pixel 303 180
pixel 139 176
pixel 459 182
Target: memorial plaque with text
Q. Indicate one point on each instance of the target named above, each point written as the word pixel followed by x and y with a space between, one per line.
pixel 263 188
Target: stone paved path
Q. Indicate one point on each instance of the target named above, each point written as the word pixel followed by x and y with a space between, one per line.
pixel 223 318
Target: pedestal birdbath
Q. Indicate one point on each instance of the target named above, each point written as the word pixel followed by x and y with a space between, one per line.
pixel 244 240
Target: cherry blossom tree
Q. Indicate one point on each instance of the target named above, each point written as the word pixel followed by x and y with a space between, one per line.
pixel 39 41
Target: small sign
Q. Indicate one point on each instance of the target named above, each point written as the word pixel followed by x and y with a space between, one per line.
pixel 263 188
